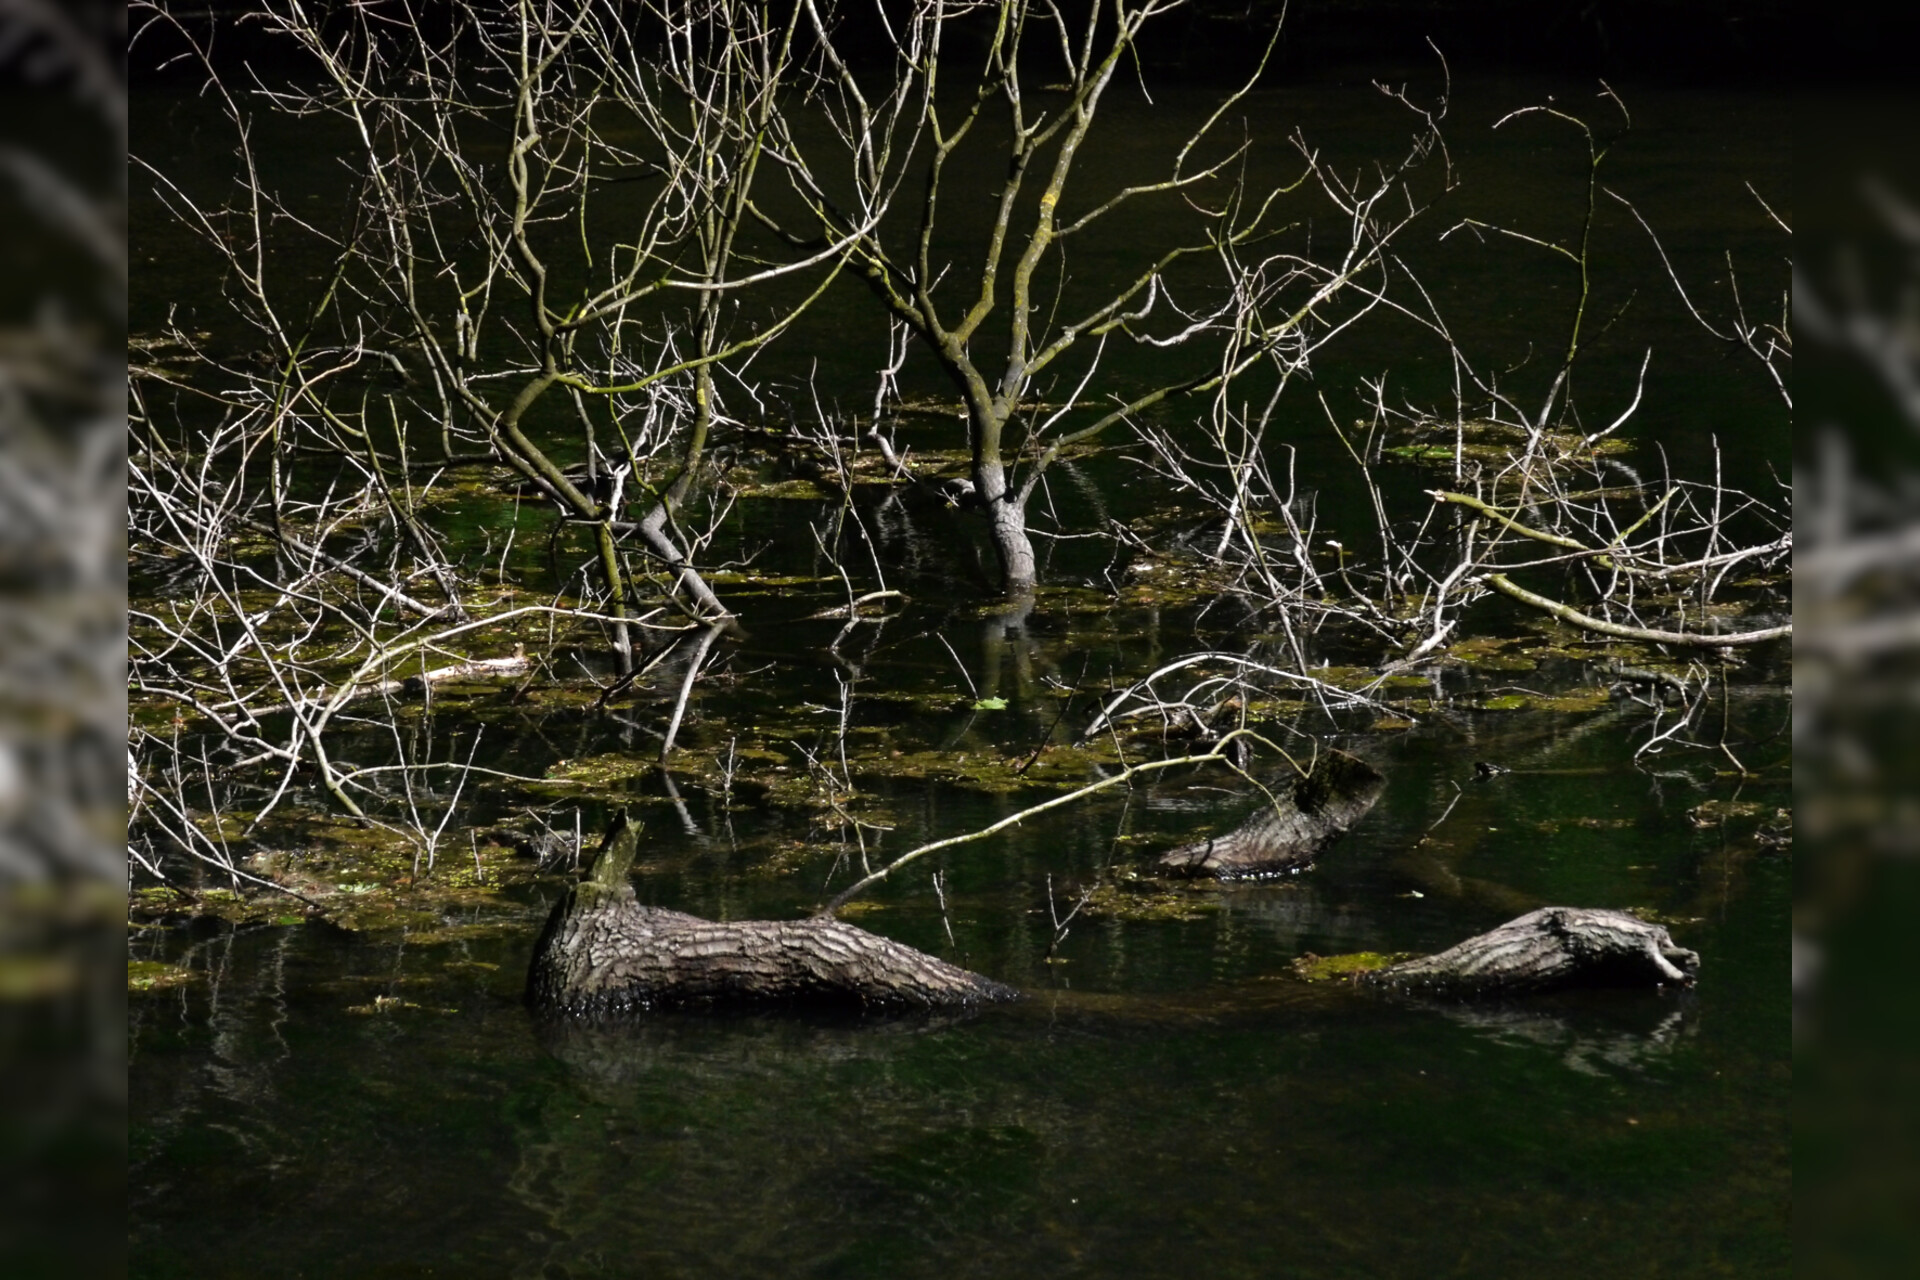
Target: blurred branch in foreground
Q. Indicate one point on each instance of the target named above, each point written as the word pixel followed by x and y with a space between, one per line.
pixel 62 635
pixel 1856 684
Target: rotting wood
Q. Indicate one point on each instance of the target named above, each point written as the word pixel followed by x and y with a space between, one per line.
pixel 1546 949
pixel 1285 834
pixel 603 953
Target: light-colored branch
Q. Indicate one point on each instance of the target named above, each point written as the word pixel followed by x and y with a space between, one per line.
pixel 1217 753
pixel 1694 639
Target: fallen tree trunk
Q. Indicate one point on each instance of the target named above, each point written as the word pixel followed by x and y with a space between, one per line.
pixel 1547 949
pixel 602 952
pixel 1286 834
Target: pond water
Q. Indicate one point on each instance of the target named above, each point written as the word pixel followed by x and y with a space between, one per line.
pixel 1168 1100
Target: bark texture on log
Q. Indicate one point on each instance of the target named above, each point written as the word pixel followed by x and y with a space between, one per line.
pixel 602 952
pixel 1286 835
pixel 1546 949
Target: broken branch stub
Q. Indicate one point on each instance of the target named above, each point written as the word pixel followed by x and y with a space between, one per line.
pixel 1286 834
pixel 1547 949
pixel 603 953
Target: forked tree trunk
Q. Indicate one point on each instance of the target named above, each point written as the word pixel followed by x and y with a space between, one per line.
pixel 1019 570
pixel 1007 523
pixel 1546 949
pixel 1286 834
pixel 602 952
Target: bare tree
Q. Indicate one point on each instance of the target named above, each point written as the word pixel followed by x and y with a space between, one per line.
pixel 538 255
pixel 1002 324
pixel 537 260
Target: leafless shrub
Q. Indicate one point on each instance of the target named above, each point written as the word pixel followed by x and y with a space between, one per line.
pixel 538 255
pixel 1023 351
pixel 1537 494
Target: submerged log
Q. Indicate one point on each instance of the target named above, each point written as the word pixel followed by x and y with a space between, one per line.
pixel 602 952
pixel 1286 834
pixel 1547 949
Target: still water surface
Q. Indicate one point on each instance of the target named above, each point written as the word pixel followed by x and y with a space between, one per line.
pixel 1167 1102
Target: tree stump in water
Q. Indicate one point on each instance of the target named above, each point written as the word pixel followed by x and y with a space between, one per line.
pixel 1285 835
pixel 1546 949
pixel 602 952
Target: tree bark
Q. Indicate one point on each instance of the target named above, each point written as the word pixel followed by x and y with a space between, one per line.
pixel 604 953
pixel 1007 521
pixel 1546 949
pixel 653 531
pixel 1285 836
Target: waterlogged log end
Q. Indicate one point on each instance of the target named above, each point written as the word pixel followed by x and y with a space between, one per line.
pixel 614 861
pixel 1550 949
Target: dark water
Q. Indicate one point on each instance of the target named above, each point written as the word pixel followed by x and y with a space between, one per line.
pixel 1166 1102
pixel 1163 1102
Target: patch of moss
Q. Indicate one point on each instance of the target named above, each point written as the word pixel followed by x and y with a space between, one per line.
pixel 1348 677
pixel 1345 968
pixel 34 977
pixel 358 877
pixel 156 975
pixel 159 903
pixel 1134 897
pixel 1589 698
pixel 784 858
pixel 600 772
pixel 989 771
pixel 1505 702
pixel 1492 653
pixel 805 490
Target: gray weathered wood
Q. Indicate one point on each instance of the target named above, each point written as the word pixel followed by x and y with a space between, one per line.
pixel 1286 834
pixel 1546 949
pixel 602 952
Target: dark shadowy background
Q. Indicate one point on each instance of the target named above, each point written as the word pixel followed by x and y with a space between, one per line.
pixel 62 637
pixel 1857 658
pixel 1683 42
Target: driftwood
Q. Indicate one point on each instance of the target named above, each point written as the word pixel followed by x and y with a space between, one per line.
pixel 1546 949
pixel 1285 835
pixel 602 952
